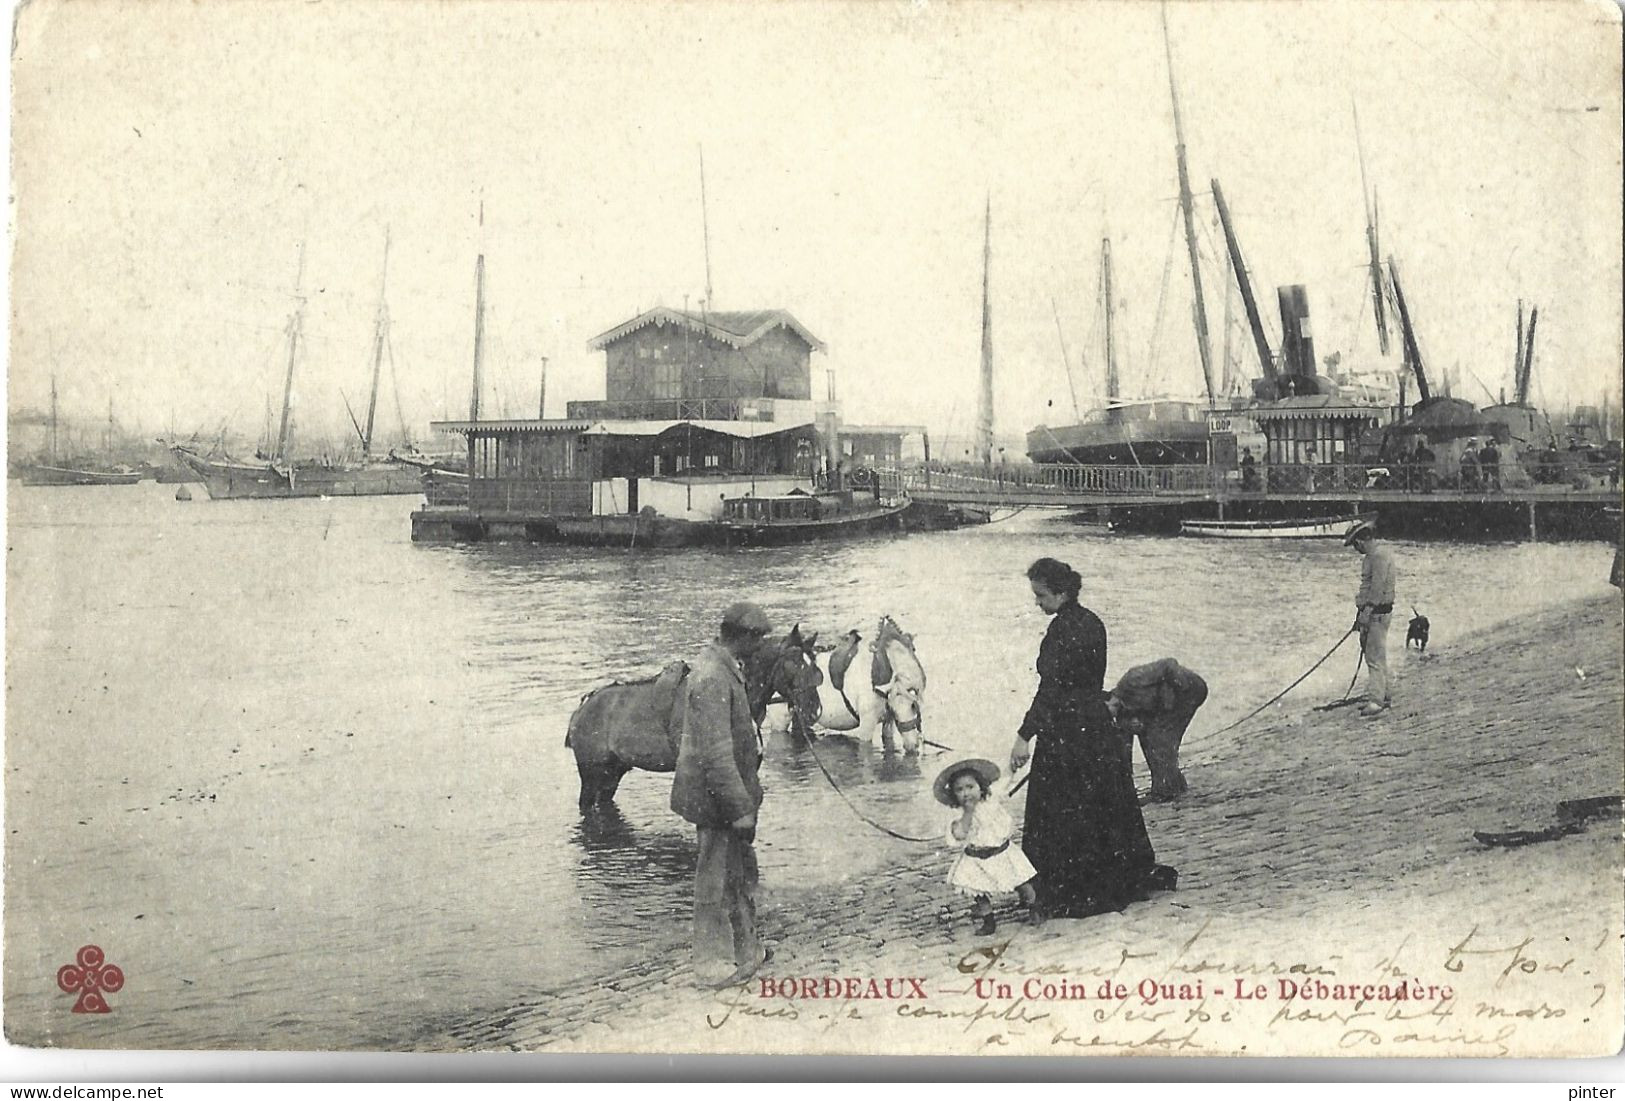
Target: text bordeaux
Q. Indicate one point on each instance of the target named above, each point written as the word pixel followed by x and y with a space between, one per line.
pixel 806 988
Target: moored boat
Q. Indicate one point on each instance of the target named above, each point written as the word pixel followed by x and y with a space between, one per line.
pixel 227 478
pixel 798 517
pixel 42 474
pixel 52 471
pixel 1307 527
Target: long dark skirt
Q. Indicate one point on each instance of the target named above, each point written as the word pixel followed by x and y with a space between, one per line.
pixel 1084 832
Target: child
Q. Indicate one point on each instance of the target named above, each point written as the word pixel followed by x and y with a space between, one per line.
pixel 989 863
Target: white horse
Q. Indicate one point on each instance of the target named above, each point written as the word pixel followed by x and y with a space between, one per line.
pixel 881 689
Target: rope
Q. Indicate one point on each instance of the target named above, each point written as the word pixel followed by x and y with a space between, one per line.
pixel 1022 783
pixel 1275 698
pixel 887 830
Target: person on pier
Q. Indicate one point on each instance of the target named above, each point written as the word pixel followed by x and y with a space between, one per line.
pixel 1489 461
pixel 1374 606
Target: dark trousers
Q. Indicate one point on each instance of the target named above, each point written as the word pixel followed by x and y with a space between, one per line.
pixel 1159 740
pixel 725 901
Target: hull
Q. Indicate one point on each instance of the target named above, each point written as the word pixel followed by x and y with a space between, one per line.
pixel 1315 527
pixel 1139 442
pixel 444 488
pixel 41 475
pixel 774 533
pixel 241 481
pixel 432 525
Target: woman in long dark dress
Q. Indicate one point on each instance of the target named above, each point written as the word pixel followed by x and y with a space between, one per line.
pixel 1084 831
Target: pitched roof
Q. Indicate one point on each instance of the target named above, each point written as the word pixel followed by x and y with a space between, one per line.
pixel 737 329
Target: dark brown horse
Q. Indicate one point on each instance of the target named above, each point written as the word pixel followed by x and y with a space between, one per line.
pixel 636 724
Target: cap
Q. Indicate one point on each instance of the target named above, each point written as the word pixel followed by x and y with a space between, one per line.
pixel 744 616
pixel 984 768
pixel 1363 527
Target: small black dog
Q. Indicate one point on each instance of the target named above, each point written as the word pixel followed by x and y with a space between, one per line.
pixel 1418 631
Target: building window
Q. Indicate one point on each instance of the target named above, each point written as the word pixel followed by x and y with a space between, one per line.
pixel 711 460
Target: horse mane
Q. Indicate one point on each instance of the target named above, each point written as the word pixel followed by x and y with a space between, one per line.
pixel 640 681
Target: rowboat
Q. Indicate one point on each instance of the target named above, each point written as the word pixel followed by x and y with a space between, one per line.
pixel 1309 527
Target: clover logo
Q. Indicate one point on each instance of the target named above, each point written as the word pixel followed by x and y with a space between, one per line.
pixel 88 977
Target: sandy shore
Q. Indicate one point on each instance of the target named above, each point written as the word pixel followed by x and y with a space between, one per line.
pixel 1332 900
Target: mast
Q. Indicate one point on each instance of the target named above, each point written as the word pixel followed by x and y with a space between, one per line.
pixel 1368 196
pixel 380 329
pixel 705 228
pixel 1528 357
pixel 984 402
pixel 1199 311
pixel 1413 354
pixel 108 446
pixel 295 324
pixel 1113 383
pixel 1517 355
pixel 1226 373
pixel 53 419
pixel 479 326
pixel 1266 358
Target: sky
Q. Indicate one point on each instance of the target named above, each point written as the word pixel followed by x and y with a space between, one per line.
pixel 171 161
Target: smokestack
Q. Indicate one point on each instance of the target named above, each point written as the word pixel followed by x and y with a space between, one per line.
pixel 1297 338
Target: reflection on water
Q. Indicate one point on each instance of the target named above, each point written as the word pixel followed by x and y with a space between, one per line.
pixel 313 768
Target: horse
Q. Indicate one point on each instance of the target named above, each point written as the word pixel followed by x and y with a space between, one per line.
pixel 884 692
pixel 638 724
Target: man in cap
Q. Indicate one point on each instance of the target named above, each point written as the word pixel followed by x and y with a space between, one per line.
pixel 1374 606
pixel 716 787
pixel 1156 703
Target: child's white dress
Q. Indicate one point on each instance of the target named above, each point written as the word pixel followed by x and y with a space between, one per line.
pixel 1002 871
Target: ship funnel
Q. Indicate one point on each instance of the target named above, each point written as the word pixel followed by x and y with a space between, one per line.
pixel 1297 338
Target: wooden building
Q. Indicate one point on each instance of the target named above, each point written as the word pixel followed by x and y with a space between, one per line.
pixel 884 445
pixel 676 364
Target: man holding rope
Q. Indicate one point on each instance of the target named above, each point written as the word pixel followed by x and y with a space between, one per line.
pixel 1374 606
pixel 717 788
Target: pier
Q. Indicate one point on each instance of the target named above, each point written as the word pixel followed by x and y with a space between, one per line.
pixel 1407 500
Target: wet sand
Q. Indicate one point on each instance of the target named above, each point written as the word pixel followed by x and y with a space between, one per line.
pixel 1313 847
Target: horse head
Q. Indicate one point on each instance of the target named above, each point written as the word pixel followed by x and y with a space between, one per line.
pixel 905 689
pixel 786 669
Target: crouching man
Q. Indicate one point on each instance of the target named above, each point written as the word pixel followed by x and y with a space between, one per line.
pixel 1155 703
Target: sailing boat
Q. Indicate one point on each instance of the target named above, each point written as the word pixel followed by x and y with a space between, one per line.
pixel 1147 431
pixel 70 472
pixel 445 482
pixel 1141 432
pixel 279 476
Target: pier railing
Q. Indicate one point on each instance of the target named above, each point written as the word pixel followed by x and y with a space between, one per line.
pixel 1136 481
pixel 1059 482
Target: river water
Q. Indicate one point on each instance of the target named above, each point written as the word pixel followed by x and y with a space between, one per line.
pixel 305 782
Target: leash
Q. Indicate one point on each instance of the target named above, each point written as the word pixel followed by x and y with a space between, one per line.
pixel 1276 698
pixel 1256 711
pixel 853 807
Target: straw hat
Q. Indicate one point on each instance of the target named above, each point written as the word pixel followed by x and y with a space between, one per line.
pixel 985 769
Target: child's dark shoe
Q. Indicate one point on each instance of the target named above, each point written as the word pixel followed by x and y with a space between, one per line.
pixel 987 926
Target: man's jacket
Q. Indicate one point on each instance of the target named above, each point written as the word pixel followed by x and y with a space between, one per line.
pixel 1160 688
pixel 718 756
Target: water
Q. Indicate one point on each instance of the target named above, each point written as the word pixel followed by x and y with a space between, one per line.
pixel 306 784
